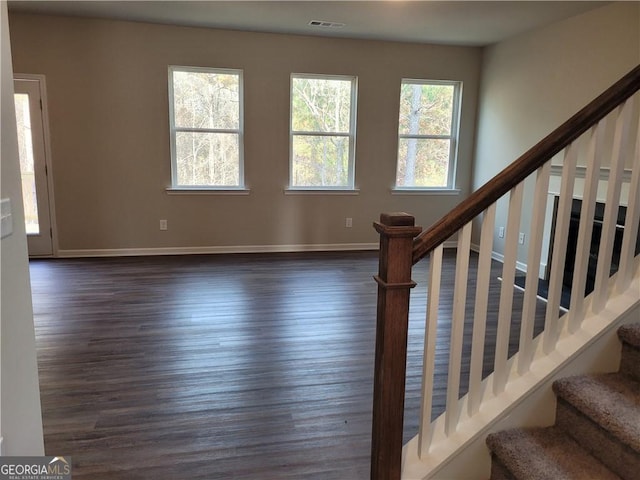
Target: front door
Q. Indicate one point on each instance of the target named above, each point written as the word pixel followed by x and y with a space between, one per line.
pixel 33 166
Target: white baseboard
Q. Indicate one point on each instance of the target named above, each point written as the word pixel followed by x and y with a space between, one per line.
pixel 520 266
pixel 142 252
pixel 129 252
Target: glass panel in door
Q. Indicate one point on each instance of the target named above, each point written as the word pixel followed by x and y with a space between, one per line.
pixel 27 170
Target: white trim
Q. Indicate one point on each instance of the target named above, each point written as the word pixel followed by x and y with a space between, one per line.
pixel 556 170
pixel 520 266
pixel 350 135
pixel 173 130
pixel 542 299
pixel 321 191
pixel 226 249
pixel 454 134
pixel 206 191
pixel 579 187
pixel 132 252
pixel 424 191
pixel 424 137
pixel 314 133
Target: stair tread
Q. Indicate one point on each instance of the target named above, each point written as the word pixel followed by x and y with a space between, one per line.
pixel 610 400
pixel 545 454
pixel 630 334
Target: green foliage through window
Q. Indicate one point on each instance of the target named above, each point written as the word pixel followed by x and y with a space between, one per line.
pixel 206 127
pixel 427 134
pixel 322 131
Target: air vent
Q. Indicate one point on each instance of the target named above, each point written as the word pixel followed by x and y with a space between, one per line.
pixel 323 24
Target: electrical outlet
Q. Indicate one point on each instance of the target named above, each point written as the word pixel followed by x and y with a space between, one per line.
pixel 501 232
pixel 521 238
pixel 163 225
pixel 348 222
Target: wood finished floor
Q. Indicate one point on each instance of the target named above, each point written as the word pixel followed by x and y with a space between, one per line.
pixel 223 367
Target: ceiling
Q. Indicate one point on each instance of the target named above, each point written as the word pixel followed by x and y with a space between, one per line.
pixel 472 23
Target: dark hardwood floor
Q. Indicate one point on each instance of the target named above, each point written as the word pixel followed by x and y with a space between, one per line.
pixel 222 367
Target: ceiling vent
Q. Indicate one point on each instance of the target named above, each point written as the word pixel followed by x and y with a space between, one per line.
pixel 323 24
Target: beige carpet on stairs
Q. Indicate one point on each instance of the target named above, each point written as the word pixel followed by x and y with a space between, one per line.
pixel 597 430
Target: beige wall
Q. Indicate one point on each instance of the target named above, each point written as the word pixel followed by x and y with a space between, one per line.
pixel 107 90
pixel 20 416
pixel 534 82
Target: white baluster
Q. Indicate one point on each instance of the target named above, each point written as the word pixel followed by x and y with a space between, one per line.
pixel 585 230
pixel 631 223
pixel 457 329
pixel 605 254
pixel 506 292
pixel 480 310
pixel 533 260
pixel 550 336
pixel 428 363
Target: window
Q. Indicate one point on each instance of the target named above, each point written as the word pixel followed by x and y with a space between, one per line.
pixel 205 110
pixel 323 115
pixel 427 134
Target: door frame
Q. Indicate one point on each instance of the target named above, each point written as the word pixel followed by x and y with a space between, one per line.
pixel 42 83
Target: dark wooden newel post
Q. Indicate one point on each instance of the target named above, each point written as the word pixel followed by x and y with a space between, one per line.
pixel 397 232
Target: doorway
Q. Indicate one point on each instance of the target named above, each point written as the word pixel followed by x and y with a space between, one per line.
pixel 36 191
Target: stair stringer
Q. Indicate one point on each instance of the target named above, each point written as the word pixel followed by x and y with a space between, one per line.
pixel 528 399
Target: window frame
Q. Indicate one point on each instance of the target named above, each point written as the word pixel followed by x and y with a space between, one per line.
pixel 351 135
pixel 173 130
pixel 453 137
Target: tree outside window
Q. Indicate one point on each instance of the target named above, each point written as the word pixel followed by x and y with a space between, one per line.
pixel 427 137
pixel 322 131
pixel 206 127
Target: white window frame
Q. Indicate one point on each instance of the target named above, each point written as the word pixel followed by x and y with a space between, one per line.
pixel 351 135
pixel 452 137
pixel 175 187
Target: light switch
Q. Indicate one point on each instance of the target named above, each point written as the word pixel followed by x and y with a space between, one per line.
pixel 6 223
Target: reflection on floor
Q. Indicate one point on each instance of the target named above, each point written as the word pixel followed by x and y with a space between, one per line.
pixel 226 367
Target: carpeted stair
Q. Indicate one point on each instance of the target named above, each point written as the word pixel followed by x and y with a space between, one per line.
pixel 597 431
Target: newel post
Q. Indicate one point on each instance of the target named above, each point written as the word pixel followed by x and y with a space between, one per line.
pixel 397 231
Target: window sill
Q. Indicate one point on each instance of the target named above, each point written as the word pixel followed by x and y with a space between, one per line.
pixel 207 191
pixel 321 191
pixel 425 191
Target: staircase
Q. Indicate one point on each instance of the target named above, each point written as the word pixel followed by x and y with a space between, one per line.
pixel 594 157
pixel 597 430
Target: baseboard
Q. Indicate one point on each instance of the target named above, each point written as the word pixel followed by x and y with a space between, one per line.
pixel 520 266
pixel 132 252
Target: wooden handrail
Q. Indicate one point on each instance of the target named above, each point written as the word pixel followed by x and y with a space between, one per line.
pixel 524 166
